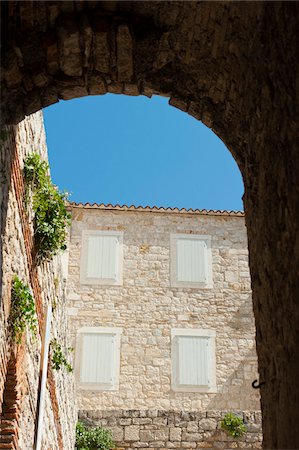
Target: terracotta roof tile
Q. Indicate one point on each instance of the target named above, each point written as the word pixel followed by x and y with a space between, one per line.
pixel 156 209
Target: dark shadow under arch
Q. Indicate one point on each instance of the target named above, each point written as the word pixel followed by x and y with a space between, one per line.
pixel 231 65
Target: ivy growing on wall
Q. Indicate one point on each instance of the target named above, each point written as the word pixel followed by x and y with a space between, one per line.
pixel 51 217
pixel 22 311
pixel 58 358
pixel 93 438
pixel 233 425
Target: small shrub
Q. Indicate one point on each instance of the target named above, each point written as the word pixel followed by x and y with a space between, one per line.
pixel 22 312
pixel 89 438
pixel 58 358
pixel 233 424
pixel 51 217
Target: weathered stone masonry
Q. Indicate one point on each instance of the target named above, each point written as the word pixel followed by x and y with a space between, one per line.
pixel 232 65
pixel 146 411
pixel 20 365
pixel 158 429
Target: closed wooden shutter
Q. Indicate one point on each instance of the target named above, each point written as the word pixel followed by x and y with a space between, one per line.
pixel 97 358
pixel 102 257
pixel 191 260
pixel 193 361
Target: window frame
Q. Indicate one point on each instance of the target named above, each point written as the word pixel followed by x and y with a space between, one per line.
pixel 84 258
pixel 116 363
pixel 207 333
pixel 174 282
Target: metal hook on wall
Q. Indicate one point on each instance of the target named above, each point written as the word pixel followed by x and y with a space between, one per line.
pixel 257 386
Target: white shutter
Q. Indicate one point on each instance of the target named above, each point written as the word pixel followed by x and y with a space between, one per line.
pixel 97 358
pixel 191 260
pixel 193 363
pixel 102 260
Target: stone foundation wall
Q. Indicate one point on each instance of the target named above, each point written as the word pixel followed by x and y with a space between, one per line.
pixel 20 364
pixel 155 429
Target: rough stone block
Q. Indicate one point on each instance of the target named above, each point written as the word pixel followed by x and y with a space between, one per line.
pixel 175 434
pixel 192 427
pixel 221 445
pixel 162 434
pixel 142 421
pixel 165 53
pixel 101 52
pixel 117 433
pixel 125 421
pixel 160 421
pixel 214 415
pixel 124 50
pixel 191 436
pixel 96 85
pixel 188 444
pixel 132 433
pixel 115 88
pixel 69 48
pixel 72 92
pixel 231 276
pixel 204 444
pixel 147 435
pixel 131 89
pixel 207 424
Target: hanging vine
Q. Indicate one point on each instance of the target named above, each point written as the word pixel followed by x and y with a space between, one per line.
pixel 51 218
pixel 58 358
pixel 22 311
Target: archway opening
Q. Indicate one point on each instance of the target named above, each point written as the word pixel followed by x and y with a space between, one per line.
pixel 134 150
pixel 138 156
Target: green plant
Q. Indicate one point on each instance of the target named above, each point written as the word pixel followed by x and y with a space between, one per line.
pixel 58 358
pixel 233 424
pixel 35 171
pixel 51 217
pixel 22 311
pixel 89 438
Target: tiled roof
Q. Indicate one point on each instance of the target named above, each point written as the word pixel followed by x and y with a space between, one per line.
pixel 156 209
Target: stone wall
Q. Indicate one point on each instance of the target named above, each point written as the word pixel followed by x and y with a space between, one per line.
pixel 147 307
pixel 227 64
pixel 156 429
pixel 20 364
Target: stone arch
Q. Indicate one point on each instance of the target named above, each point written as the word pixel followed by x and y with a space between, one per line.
pixel 65 52
pixel 231 65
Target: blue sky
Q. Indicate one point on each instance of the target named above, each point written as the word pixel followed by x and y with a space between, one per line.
pixel 135 150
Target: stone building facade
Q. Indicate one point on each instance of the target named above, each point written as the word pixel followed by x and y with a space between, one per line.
pixel 148 289
pixel 21 365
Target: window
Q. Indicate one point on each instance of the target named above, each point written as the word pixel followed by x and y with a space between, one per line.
pixel 190 261
pixel 101 259
pixel 97 358
pixel 193 360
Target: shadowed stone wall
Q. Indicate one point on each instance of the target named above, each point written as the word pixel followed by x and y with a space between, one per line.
pixel 232 65
pixel 20 365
